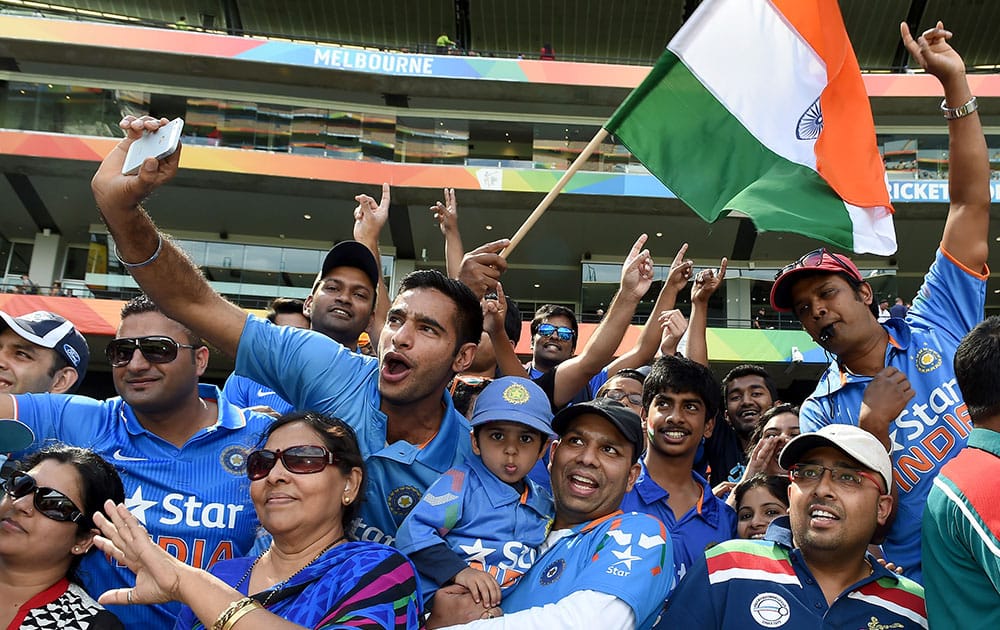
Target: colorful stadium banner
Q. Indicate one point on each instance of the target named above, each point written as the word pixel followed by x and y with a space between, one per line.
pixel 265 163
pixel 779 127
pixel 368 61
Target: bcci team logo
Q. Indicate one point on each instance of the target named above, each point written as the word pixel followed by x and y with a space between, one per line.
pixel 552 573
pixel 234 459
pixel 770 610
pixel 516 394
pixel 927 360
pixel 401 500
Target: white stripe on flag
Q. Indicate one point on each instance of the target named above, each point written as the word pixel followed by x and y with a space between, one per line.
pixel 873 229
pixel 890 606
pixel 724 575
pixel 758 67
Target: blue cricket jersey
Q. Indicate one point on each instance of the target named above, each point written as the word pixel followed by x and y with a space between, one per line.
pixel 935 425
pixel 709 522
pixel 314 372
pixel 483 520
pixel 244 393
pixel 194 500
pixel 625 555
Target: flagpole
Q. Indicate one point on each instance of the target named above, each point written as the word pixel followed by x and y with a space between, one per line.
pixel 537 213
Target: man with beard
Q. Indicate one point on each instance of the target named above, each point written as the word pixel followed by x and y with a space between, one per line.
pixel 812 568
pixel 680 400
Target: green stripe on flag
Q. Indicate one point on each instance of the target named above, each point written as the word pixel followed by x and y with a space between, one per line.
pixel 694 145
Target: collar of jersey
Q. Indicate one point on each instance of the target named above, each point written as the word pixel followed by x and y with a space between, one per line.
pixel 651 492
pixel 837 376
pixel 501 494
pixel 230 416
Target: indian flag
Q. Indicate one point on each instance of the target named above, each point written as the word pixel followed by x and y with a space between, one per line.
pixel 758 106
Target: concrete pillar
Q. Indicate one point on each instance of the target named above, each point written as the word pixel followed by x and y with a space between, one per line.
pixel 399 271
pixel 738 307
pixel 46 258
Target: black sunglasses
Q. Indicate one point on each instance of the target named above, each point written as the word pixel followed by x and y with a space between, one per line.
pixel 815 259
pixel 48 501
pixel 301 460
pixel 562 332
pixel 155 349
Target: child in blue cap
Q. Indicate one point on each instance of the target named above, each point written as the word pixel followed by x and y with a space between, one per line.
pixel 480 524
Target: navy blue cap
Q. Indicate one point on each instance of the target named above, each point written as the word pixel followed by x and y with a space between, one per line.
pixel 623 418
pixel 55 332
pixel 514 399
pixel 352 254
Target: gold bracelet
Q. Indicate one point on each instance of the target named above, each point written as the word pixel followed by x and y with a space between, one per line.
pixel 225 620
pixel 249 608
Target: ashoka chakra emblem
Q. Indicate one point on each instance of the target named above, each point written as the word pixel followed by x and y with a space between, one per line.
pixel 811 123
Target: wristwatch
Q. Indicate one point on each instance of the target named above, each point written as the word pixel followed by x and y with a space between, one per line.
pixel 952 113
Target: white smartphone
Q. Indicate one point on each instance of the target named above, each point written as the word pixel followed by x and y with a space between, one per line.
pixel 158 144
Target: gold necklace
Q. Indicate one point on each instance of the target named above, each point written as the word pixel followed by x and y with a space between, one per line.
pixel 281 585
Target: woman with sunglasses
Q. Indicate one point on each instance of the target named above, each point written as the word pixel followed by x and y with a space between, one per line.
pixel 306 483
pixel 45 529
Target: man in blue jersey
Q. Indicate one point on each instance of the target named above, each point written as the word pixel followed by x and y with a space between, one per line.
pixel 348 298
pixel 812 569
pixel 179 447
pixel 248 394
pixel 896 379
pixel 599 567
pixel 680 399
pixel 407 427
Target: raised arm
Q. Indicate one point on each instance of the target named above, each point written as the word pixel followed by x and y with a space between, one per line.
pixel 162 270
pixel 446 214
pixel 369 219
pixel 494 315
pixel 966 232
pixel 705 284
pixel 652 331
pixel 574 373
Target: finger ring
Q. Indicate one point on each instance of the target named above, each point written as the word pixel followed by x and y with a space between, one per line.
pixel 128 595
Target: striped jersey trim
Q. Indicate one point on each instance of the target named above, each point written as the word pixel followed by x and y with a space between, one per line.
pixel 749 561
pixel 987 537
pixel 918 616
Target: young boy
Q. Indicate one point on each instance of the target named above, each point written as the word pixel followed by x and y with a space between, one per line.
pixel 680 399
pixel 481 523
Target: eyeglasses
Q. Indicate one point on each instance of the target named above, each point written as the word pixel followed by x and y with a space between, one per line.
pixel 562 332
pixel 154 349
pixel 810 474
pixel 619 395
pixel 815 259
pixel 471 382
pixel 301 460
pixel 48 501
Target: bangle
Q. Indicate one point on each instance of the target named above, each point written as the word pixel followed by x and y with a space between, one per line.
pixel 954 113
pixel 249 608
pixel 234 611
pixel 148 261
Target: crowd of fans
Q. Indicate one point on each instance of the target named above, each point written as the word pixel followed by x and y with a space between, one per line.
pixel 441 482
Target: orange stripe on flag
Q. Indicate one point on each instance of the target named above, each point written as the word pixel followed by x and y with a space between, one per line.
pixel 847 156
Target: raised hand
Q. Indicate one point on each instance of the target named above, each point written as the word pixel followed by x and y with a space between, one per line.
pixel 707 281
pixel 674 325
pixel 494 312
pixel 114 190
pixel 680 270
pixel 446 214
pixel 933 52
pixel 370 217
pixel 125 540
pixel 637 270
pixel 481 268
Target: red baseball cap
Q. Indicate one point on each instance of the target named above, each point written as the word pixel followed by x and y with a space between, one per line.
pixel 816 260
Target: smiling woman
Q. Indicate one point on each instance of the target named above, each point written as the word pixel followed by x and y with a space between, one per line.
pixel 306 484
pixel 45 529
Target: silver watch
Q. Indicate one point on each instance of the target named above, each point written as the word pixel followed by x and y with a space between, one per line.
pixel 951 113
